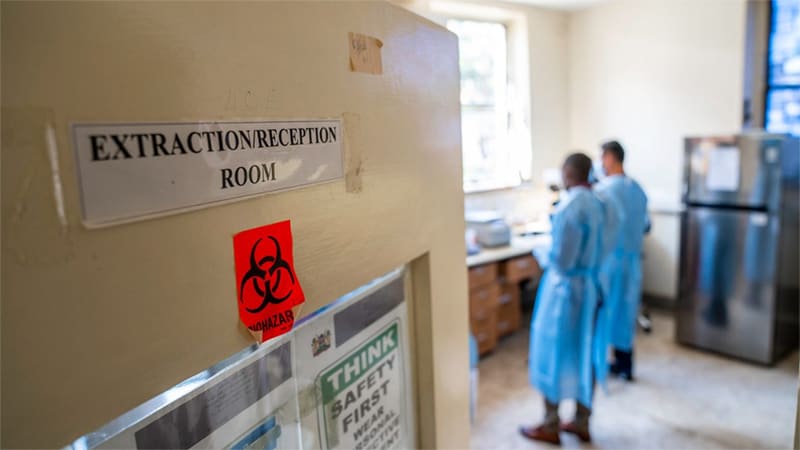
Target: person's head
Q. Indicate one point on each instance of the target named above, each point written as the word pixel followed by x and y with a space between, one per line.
pixel 612 158
pixel 575 170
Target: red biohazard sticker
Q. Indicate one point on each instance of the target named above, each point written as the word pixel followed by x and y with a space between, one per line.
pixel 267 287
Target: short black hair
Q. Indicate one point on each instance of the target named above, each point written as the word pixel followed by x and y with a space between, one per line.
pixel 615 148
pixel 581 164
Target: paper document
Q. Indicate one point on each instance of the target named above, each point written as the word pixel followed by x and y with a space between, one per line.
pixel 723 169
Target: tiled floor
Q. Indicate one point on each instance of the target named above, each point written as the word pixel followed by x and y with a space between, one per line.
pixel 682 399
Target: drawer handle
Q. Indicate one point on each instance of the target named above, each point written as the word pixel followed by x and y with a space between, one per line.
pixel 523 264
pixel 505 298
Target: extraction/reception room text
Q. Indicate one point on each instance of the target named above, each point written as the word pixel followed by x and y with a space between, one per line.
pixel 106 147
pixel 132 171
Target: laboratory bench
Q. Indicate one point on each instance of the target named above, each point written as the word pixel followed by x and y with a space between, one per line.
pixel 495 276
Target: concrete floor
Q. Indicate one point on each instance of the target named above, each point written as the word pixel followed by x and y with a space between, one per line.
pixel 682 399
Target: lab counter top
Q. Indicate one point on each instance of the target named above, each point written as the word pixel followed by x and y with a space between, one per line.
pixel 520 245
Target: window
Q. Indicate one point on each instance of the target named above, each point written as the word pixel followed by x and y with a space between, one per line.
pixel 492 158
pixel 783 83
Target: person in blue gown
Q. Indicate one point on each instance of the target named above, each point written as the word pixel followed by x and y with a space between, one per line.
pixel 621 273
pixel 563 362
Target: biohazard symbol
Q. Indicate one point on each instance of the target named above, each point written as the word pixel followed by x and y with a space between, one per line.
pixel 265 276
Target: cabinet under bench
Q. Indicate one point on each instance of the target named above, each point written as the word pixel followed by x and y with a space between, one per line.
pixel 495 298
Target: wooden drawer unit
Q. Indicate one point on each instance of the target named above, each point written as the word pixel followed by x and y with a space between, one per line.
pixel 483 307
pixel 485 332
pixel 508 310
pixel 521 268
pixel 482 275
pixel 484 300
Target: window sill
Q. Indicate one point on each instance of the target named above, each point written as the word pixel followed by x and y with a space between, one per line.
pixel 477 191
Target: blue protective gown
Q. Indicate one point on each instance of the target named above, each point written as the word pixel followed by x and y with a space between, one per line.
pixel 621 273
pixel 563 347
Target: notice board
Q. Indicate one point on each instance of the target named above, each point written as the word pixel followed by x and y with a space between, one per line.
pixel 340 379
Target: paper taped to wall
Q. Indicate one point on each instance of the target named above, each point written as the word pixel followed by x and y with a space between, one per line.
pixel 365 54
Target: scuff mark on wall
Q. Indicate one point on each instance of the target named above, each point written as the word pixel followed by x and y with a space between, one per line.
pixel 353 162
pixel 58 191
pixel 33 191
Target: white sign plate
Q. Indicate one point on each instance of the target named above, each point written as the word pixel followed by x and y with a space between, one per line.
pixel 135 171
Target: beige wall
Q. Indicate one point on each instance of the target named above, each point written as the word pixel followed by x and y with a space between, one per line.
pixel 649 72
pixel 549 50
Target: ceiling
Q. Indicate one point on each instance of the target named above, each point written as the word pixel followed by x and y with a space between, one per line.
pixel 566 5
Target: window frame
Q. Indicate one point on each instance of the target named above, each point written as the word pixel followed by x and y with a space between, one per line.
pixel 511 114
pixel 769 86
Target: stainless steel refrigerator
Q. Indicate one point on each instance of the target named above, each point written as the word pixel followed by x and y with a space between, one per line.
pixel 738 283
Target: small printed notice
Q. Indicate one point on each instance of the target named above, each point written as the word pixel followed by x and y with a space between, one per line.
pixel 361 396
pixel 245 402
pixel 723 169
pixel 267 287
pixel 134 171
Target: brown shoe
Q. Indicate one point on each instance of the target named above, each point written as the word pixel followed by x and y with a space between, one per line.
pixel 542 434
pixel 577 430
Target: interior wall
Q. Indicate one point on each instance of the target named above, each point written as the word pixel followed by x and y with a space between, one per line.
pixel 650 73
